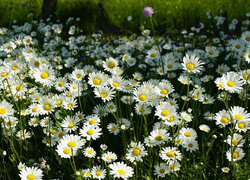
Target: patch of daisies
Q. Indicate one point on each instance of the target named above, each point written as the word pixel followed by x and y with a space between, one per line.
pixel 159 100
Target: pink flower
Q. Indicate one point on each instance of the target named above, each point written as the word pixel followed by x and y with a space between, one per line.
pixel 148 11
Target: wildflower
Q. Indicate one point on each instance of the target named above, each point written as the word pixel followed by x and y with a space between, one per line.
pixel 121 170
pixel 31 173
pixel 148 11
pixel 192 64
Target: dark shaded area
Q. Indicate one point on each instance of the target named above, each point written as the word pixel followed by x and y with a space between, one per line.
pixel 49 8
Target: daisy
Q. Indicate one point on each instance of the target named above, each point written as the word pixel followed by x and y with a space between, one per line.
pixel 158 136
pixel 98 173
pixel 190 145
pixel 222 118
pixel 69 103
pixel 204 127
pixel 6 109
pixel 237 140
pixel 109 157
pixel 242 126
pixel 174 166
pixel 101 111
pixel 78 74
pixel 33 109
pixel 187 133
pixel 31 173
pixel 161 170
pixel 92 120
pixel 212 51
pixel 239 113
pixel 192 64
pixel 70 124
pixel 232 81
pixel 97 79
pixel 144 95
pixel 110 64
pixel 86 173
pixel 142 109
pixel 170 154
pixel 34 122
pixel 164 89
pixel 46 105
pixel 186 116
pixel 44 75
pixel 113 128
pixel 64 151
pixel 72 141
pixel 117 82
pixel 111 106
pixel 105 93
pixel 136 152
pixel 121 170
pixel 23 134
pixel 222 69
pixel 245 74
pixel 164 111
pixel 89 152
pixel 225 169
pixel 237 155
pixel 90 132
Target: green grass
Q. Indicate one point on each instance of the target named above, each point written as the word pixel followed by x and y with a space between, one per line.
pixel 117 11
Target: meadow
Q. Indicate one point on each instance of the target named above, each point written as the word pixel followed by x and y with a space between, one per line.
pixel 134 103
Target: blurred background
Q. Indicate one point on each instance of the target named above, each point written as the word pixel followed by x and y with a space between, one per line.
pixel 124 16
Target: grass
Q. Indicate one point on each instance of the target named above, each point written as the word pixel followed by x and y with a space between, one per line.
pixel 116 12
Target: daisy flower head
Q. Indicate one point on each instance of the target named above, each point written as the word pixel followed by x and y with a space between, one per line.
pixel 46 105
pixel 190 145
pixel 98 173
pixel 70 124
pixel 237 140
pixel 31 173
pixel 142 109
pixel 89 152
pixel 90 132
pixel 92 120
pixel 72 141
pixel 242 126
pixel 245 74
pixel 232 81
pixel 161 170
pixel 105 93
pixel 97 79
pixel 187 133
pixel 192 64
pixel 121 170
pixel 222 118
pixel 239 113
pixel 247 56
pixel 174 166
pixel 204 127
pixel 6 109
pixel 44 75
pixel 110 64
pixel 136 152
pixel 225 169
pixel 164 89
pixel 165 111
pixel 109 157
pixel 158 136
pixel 237 155
pixel 78 75
pixel 113 128
pixel 170 154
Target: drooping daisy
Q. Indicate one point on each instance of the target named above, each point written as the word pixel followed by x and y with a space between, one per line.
pixel 31 173
pixel 121 170
pixel 23 134
pixel 90 132
pixel 170 154
pixel 174 166
pixel 136 152
pixel 192 64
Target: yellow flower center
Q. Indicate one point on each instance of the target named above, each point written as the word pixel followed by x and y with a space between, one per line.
pixel 14 67
pixel 190 66
pixel 162 171
pixel 164 91
pixel 153 55
pixel 195 96
pixel 31 176
pixel 224 120
pixel 190 145
pixel 19 87
pixel 170 154
pixel 237 46
pixel 187 134
pixel 238 117
pixel 235 155
pixel 115 84
pixel 211 53
pixel 171 119
pixel 34 109
pixel 172 166
pixel 3 110
pixel 92 121
pixel 74 87
pixel 61 84
pixel 44 75
pixel 159 137
pixel 78 76
pixel 104 95
pixel 90 152
pixel 235 142
pixel 247 38
pixel 58 102
pixel 67 151
pixel 245 76
pixel 113 128
pixel 111 64
pixel 165 113
pixel 71 144
pixel 97 81
pixel 120 171
pixel 70 125
pixel 221 85
pixel 47 107
pixel 230 83
pixel 142 97
pixel 61 135
pixel 170 66
pixel 136 152
pixel 98 173
pixel 241 125
pixel 37 63
pixel 90 132
pixel 34 121
pixel 70 105
pixel 4 74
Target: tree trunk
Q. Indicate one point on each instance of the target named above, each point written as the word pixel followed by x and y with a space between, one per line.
pixel 49 8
